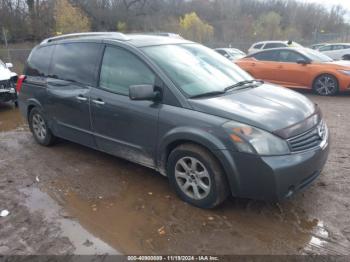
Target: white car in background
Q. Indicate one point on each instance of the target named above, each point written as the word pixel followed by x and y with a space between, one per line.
pixel 8 81
pixel 338 51
pixel 272 44
pixel 231 54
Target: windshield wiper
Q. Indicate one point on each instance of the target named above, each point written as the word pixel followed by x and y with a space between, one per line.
pixel 212 93
pixel 243 83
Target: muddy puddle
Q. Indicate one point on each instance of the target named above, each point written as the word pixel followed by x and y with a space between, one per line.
pixel 10 118
pixel 137 213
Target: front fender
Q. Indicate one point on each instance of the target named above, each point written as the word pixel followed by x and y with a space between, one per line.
pixel 213 143
pixel 186 134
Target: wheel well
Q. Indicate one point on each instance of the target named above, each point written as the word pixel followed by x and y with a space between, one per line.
pixel 30 108
pixel 313 82
pixel 177 143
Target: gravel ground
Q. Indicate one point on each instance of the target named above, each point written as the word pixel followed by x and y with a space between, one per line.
pixel 69 199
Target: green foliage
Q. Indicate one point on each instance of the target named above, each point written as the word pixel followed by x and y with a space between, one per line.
pixel 268 26
pixel 192 27
pixel 70 19
pixel 122 27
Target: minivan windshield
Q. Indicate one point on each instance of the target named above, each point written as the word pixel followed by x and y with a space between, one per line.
pixel 196 69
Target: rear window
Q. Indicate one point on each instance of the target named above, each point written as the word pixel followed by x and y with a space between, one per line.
pixel 76 62
pixel 39 61
pixel 274 45
pixel 258 46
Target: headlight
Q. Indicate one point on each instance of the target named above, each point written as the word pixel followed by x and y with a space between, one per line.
pixel 252 140
pixel 345 72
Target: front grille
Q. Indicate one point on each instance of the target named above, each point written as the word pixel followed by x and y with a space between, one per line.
pixel 4 84
pixel 311 139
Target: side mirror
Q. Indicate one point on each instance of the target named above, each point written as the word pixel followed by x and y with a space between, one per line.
pixel 9 65
pixel 143 93
pixel 303 62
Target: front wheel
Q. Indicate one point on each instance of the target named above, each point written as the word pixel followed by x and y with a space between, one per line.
pixel 196 176
pixel 38 126
pixel 326 85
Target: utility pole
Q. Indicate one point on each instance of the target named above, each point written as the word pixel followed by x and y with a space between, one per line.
pixel 6 44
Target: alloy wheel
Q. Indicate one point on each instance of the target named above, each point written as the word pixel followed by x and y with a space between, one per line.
pixel 193 178
pixel 326 85
pixel 39 127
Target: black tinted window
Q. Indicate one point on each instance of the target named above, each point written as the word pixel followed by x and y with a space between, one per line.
pixel 121 69
pixel 258 46
pixel 274 45
pixel 39 61
pixel 265 56
pixel 289 56
pixel 76 62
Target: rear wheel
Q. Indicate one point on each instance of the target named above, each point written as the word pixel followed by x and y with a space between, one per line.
pixel 38 126
pixel 326 85
pixel 196 176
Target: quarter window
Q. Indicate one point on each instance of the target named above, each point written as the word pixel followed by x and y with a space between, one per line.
pixel 121 69
pixel 39 61
pixel 76 62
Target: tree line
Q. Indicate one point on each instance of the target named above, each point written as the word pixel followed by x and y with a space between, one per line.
pixel 211 22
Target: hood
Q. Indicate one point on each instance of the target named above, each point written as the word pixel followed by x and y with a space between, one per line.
pixel 268 107
pixel 342 63
pixel 5 74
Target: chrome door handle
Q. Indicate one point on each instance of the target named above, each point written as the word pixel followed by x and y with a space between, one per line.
pixel 81 98
pixel 98 102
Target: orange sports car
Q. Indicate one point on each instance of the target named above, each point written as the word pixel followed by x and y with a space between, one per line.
pixel 299 68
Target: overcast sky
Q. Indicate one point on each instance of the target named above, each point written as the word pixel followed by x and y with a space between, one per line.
pixel 343 3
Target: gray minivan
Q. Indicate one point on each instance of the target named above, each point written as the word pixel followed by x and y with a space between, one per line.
pixel 179 108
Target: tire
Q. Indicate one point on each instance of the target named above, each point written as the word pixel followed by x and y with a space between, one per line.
pixel 205 175
pixel 346 57
pixel 326 85
pixel 39 128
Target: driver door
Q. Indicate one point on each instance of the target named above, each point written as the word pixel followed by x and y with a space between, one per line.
pixel 290 73
pixel 123 127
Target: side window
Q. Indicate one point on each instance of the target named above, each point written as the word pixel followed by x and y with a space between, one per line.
pixel 76 62
pixel 258 46
pixel 274 45
pixel 289 56
pixel 121 69
pixel 326 48
pixel 39 61
pixel 265 56
pixel 338 47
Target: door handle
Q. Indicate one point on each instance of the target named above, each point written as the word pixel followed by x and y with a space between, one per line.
pixel 82 98
pixel 98 102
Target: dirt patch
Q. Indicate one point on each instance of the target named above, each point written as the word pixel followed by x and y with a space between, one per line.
pixel 132 209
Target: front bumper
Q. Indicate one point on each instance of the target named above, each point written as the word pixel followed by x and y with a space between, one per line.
pixel 274 178
pixel 8 94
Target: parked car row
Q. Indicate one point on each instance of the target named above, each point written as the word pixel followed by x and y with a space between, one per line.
pixel 288 64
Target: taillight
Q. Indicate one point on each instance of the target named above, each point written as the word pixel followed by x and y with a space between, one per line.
pixel 20 83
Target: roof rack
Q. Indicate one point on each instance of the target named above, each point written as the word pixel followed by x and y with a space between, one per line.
pixel 115 35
